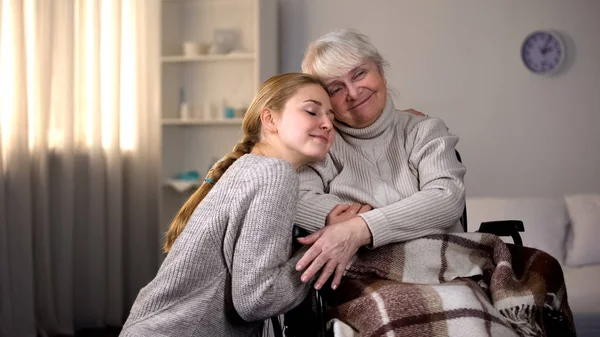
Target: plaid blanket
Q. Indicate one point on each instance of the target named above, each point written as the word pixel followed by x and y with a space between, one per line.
pixel 463 284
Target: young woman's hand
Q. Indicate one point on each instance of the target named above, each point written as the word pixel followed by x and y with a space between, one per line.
pixel 332 248
pixel 415 112
pixel 342 212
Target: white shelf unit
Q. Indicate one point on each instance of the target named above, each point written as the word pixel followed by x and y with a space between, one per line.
pixel 209 80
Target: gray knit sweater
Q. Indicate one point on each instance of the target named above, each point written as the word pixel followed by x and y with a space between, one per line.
pixel 231 267
pixel 403 165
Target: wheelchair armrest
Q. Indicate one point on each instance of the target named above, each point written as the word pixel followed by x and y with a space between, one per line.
pixel 312 327
pixel 321 308
pixel 309 319
pixel 504 228
pixel 298 232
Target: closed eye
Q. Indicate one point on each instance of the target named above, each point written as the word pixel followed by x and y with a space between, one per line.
pixel 310 113
pixel 360 75
pixel 335 90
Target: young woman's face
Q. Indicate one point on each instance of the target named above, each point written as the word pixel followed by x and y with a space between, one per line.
pixel 358 97
pixel 305 125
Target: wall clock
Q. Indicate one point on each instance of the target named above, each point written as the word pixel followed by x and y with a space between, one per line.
pixel 543 52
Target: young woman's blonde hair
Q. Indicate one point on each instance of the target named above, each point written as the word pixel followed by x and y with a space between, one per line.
pixel 339 51
pixel 273 95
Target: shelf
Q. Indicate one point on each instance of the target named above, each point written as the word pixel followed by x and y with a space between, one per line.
pixel 208 58
pixel 176 121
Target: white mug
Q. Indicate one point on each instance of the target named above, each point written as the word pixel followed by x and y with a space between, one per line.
pixel 190 48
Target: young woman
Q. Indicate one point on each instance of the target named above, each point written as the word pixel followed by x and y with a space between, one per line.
pixel 228 265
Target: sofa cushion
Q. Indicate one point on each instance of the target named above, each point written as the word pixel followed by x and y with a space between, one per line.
pixel 545 220
pixel 584 211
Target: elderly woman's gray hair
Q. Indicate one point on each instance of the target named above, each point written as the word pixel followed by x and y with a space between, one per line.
pixel 339 51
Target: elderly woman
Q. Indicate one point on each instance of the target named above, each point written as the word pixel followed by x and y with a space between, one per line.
pixel 392 179
pixel 390 176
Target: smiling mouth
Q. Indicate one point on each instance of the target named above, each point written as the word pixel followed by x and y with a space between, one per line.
pixel 323 138
pixel 361 103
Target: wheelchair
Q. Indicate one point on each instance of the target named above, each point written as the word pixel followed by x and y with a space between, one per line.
pixel 310 317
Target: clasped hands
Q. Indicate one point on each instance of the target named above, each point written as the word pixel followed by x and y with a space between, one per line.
pixel 333 246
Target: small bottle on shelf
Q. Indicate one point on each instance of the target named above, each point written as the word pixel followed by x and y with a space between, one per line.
pixel 240 111
pixel 208 111
pixel 184 110
pixel 223 109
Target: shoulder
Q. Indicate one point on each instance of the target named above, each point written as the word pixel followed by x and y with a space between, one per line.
pixel 422 126
pixel 265 172
pixel 413 123
pixel 319 167
pixel 339 143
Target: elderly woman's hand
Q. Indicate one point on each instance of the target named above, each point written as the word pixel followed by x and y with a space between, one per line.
pixel 332 248
pixel 415 112
pixel 343 212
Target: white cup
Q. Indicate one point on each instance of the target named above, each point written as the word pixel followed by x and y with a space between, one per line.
pixel 190 48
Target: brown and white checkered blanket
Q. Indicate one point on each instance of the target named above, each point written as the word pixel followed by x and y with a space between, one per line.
pixel 463 284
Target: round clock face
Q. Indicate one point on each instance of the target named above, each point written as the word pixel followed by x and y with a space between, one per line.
pixel 543 52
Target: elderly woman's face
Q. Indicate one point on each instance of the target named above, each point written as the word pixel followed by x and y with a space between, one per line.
pixel 358 97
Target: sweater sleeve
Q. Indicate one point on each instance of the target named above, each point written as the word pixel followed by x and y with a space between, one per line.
pixel 440 200
pixel 315 202
pixel 264 280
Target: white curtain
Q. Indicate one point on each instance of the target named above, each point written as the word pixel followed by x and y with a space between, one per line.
pixel 79 161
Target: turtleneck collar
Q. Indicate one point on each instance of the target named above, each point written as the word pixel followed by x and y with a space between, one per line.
pixel 374 130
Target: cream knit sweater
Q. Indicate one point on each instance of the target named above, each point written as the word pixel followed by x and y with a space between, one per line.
pixel 403 165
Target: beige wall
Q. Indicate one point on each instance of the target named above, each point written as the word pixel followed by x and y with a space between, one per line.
pixel 521 134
